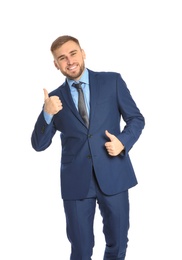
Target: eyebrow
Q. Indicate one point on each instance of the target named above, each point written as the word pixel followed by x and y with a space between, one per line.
pixel 61 56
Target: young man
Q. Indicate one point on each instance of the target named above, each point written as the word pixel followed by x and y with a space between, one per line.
pixel 95 162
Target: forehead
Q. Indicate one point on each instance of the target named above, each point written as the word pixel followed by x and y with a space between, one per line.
pixel 66 48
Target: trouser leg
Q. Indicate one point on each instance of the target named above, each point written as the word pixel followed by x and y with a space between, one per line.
pixel 79 220
pixel 115 213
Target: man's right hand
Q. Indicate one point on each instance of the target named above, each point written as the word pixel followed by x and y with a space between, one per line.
pixel 52 105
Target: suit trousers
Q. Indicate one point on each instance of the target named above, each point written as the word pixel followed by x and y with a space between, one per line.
pixel 80 218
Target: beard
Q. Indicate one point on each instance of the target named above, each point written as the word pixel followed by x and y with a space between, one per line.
pixel 75 75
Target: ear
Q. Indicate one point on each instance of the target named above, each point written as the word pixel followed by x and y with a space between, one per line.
pixel 55 64
pixel 83 54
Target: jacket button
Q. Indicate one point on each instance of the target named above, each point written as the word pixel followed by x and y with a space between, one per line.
pixel 89 136
pixel 43 129
pixel 89 156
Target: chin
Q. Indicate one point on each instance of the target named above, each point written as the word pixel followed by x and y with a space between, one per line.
pixel 75 76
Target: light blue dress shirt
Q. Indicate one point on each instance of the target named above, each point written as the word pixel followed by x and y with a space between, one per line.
pixel 74 93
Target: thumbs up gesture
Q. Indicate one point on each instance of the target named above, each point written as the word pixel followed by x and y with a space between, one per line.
pixel 114 146
pixel 52 105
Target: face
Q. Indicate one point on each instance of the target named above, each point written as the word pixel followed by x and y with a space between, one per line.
pixel 69 59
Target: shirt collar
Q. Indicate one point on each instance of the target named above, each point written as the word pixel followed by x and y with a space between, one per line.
pixel 84 78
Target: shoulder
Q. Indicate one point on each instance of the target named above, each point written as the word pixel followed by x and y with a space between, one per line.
pixel 104 74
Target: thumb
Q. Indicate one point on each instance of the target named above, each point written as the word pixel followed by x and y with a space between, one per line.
pixel 109 135
pixel 46 95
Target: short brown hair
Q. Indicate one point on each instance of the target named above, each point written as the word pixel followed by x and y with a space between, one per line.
pixel 61 40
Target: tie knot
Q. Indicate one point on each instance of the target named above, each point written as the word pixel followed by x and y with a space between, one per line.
pixel 77 85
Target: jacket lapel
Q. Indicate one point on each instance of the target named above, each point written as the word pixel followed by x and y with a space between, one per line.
pixel 69 101
pixel 94 94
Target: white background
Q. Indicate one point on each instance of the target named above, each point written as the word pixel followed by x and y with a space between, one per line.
pixel 142 41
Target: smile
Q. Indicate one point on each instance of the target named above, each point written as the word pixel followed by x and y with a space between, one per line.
pixel 72 68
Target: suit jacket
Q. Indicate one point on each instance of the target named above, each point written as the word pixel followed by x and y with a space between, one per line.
pixel 112 108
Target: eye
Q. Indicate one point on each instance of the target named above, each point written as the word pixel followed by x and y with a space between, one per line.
pixel 61 58
pixel 73 53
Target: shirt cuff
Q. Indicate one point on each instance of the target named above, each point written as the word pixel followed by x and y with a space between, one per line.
pixel 47 117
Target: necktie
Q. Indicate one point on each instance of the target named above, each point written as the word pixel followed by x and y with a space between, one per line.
pixel 81 103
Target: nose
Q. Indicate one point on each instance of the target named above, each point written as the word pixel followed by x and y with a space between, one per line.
pixel 69 60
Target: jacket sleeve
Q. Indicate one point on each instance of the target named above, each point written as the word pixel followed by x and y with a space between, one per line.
pixel 134 120
pixel 42 134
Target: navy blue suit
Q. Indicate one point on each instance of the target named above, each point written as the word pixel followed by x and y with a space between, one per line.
pixel 112 108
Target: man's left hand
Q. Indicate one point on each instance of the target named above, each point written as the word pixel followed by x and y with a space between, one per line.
pixel 114 146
